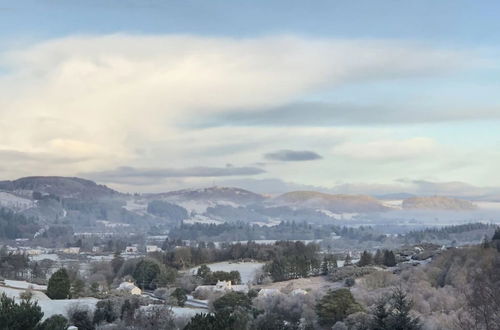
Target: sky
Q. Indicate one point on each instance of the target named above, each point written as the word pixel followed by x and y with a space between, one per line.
pixel 368 97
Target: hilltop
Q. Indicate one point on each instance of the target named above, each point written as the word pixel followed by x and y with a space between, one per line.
pixel 438 203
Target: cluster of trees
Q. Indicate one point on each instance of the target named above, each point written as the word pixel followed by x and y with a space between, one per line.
pixel 381 257
pixel 470 231
pixel 286 230
pixel 167 210
pixel 210 278
pixel 242 231
pixel 13 265
pixel 189 256
pixel 15 225
pixel 294 260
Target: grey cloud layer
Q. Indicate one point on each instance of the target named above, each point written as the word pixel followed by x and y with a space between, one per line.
pixel 131 174
pixel 331 114
pixel 292 155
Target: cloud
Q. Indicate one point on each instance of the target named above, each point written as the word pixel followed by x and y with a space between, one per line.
pixel 292 155
pixel 387 150
pixel 336 114
pixel 126 174
pixel 120 99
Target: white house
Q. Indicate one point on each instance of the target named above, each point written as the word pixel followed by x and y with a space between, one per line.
pixel 222 286
pixel 131 249
pixel 71 250
pixel 152 248
pixel 130 288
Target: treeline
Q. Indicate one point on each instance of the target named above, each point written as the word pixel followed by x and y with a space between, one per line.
pixel 286 230
pixel 182 257
pixel 14 225
pixel 295 260
pixel 474 230
pixel 381 257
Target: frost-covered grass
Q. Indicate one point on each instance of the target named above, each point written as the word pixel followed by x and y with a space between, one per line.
pixel 247 269
pixel 51 307
pixel 24 285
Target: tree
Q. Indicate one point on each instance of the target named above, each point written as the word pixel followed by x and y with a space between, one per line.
pixel 128 310
pixel 378 259
pixel 217 321
pixel 335 306
pixel 203 272
pixel 81 319
pixel 231 300
pixel 389 258
pixel 59 285
pixel 154 317
pixel 77 288
pixel 150 274
pixel 400 318
pixel 381 316
pixel 24 315
pixel 348 260
pixel 180 295
pixel 366 259
pixel 104 312
pixel 55 322
pixel 117 262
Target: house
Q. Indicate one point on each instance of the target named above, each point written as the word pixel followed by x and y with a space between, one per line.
pixel 131 249
pixel 129 288
pixel 152 248
pixel 71 250
pixel 223 286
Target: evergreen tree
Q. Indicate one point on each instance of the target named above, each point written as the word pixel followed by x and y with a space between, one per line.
pixel 55 322
pixel 24 315
pixel 366 259
pixel 389 258
pixel 348 260
pixel 180 295
pixel 335 306
pixel 59 285
pixel 77 288
pixel 400 318
pixel 378 259
pixel 381 315
pixel 104 312
pixel 324 266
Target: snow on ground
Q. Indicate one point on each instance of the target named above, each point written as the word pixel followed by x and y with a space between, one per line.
pixel 198 218
pixel 24 285
pixel 15 202
pixel 40 257
pixel 187 312
pixel 137 206
pixel 495 206
pixel 394 204
pixel 16 293
pixel 50 307
pixel 340 263
pixel 247 269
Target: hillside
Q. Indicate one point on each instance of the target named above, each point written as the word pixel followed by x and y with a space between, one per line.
pixel 438 203
pixel 333 203
pixel 227 194
pixel 65 187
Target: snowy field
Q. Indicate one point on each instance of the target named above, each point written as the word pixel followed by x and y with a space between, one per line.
pixel 51 307
pixel 24 285
pixel 247 269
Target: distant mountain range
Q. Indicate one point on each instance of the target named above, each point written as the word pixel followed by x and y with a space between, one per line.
pixel 86 204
